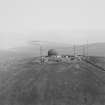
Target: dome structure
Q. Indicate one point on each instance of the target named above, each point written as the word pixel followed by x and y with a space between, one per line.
pixel 52 52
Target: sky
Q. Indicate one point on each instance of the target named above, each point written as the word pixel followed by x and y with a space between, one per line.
pixel 64 21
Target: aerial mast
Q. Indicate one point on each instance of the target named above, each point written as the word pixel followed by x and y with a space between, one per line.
pixel 87 48
pixel 40 46
pixel 83 50
pixel 74 49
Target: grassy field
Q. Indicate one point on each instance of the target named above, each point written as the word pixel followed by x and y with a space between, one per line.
pixel 25 83
pixel 100 61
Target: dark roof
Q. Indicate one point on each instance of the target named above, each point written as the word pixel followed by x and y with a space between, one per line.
pixel 52 52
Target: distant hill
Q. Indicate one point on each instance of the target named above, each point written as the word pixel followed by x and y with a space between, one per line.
pixel 34 50
pixel 95 49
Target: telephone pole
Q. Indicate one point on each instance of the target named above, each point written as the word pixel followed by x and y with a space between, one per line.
pixel 87 48
pixel 40 46
pixel 41 51
pixel 83 49
pixel 74 50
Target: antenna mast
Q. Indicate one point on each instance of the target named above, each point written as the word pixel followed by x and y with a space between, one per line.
pixel 87 48
pixel 83 50
pixel 74 50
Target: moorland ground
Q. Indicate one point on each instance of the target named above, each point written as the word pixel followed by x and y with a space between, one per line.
pixel 23 82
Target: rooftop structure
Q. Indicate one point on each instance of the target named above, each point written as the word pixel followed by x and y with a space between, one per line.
pixel 52 52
